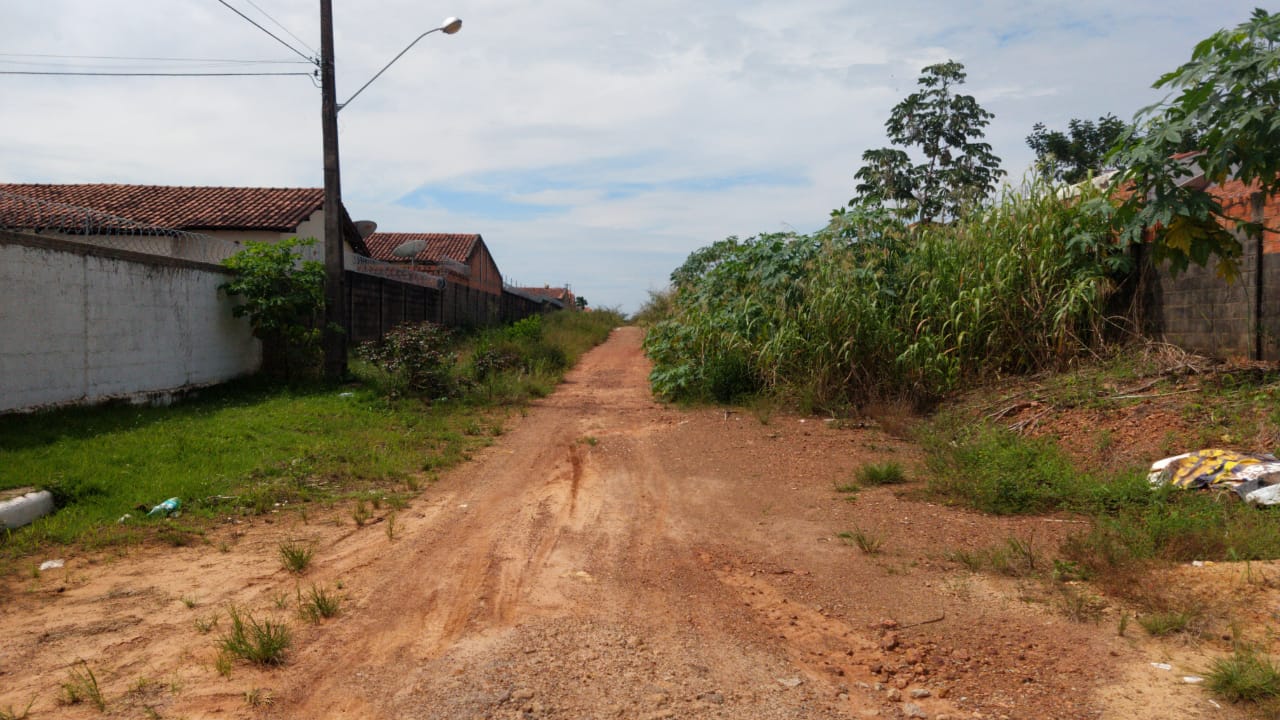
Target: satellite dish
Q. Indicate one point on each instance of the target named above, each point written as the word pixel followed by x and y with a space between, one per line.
pixel 409 249
pixel 366 228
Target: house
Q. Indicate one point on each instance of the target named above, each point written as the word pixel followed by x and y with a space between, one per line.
pixel 462 259
pixel 561 295
pixel 134 217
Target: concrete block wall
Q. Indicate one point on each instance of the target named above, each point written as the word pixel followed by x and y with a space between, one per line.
pixel 82 324
pixel 1199 311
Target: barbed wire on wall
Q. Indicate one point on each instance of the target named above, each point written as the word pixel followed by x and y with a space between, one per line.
pixel 396 271
pixel 19 213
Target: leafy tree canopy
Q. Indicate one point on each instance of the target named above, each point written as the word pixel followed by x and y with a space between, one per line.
pixel 1228 94
pixel 944 127
pixel 1070 157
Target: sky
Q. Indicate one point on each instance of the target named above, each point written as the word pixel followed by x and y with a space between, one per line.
pixel 594 144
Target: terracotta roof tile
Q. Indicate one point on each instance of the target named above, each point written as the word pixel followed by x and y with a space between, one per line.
pixel 440 246
pixel 186 208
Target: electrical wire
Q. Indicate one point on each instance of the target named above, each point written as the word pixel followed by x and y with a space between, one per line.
pixel 285 29
pixel 145 74
pixel 149 59
pixel 254 23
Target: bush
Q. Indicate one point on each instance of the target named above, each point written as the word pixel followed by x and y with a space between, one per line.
pixel 283 297
pixel 418 354
pixel 871 308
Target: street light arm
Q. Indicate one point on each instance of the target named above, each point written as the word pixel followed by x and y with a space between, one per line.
pixel 450 27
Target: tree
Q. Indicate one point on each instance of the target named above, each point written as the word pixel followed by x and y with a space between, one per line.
pixel 1228 94
pixel 945 128
pixel 282 297
pixel 581 302
pixel 1069 157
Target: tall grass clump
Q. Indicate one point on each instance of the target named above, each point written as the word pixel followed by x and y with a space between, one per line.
pixel 871 308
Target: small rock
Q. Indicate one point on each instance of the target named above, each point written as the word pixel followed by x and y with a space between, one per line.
pixel 920 693
pixel 521 695
pixel 913 710
pixel 714 698
pixel 791 682
pixel 894 695
pixel 889 641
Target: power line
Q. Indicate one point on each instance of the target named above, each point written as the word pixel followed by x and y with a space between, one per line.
pixel 155 74
pixel 282 27
pixel 157 59
pixel 252 22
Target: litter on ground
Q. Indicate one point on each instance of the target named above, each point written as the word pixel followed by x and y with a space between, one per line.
pixel 1254 477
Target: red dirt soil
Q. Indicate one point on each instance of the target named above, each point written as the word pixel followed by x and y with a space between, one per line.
pixel 609 556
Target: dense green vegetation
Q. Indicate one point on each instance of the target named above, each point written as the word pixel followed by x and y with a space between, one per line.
pixel 873 308
pixel 254 445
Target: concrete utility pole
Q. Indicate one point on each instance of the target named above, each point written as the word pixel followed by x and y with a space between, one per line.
pixel 335 306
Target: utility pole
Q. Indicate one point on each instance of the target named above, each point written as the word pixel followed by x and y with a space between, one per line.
pixel 334 338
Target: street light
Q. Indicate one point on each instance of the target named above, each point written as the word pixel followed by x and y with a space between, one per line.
pixel 335 344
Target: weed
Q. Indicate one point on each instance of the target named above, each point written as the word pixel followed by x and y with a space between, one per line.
pixel 281 601
pixel 1123 625
pixel 361 513
pixel 412 483
pixel 262 643
pixel 318 604
pixel 391 526
pixel 889 473
pixel 222 664
pixel 258 697
pixel 296 556
pixel 1080 606
pixel 1244 675
pixel 189 601
pixel 589 440
pixel 205 624
pixel 865 541
pixel 81 685
pixel 850 487
pixel 1169 622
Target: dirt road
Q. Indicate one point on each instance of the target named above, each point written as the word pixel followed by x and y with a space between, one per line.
pixel 608 557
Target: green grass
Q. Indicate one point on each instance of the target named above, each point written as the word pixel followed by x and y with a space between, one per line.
pixel 296 556
pixel 868 542
pixel 82 685
pixel 261 643
pixel 888 473
pixel 318 604
pixel 1245 675
pixel 248 447
pixel 1167 622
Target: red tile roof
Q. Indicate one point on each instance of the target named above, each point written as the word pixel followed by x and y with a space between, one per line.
pixel 187 208
pixel 440 246
pixel 555 293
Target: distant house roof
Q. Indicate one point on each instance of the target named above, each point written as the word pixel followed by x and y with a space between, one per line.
pixel 554 293
pixel 186 208
pixel 440 247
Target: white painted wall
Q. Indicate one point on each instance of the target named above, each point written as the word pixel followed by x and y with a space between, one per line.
pixel 81 328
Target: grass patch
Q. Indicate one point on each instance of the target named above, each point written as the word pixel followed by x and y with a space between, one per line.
pixel 296 556
pixel 318 604
pixel 81 685
pixel 261 643
pixel 1160 624
pixel 254 446
pixel 1245 675
pixel 888 473
pixel 868 542
pixel 1014 558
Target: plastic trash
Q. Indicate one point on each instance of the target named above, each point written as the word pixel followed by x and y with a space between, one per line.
pixel 51 564
pixel 1265 495
pixel 1213 468
pixel 1161 666
pixel 166 508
